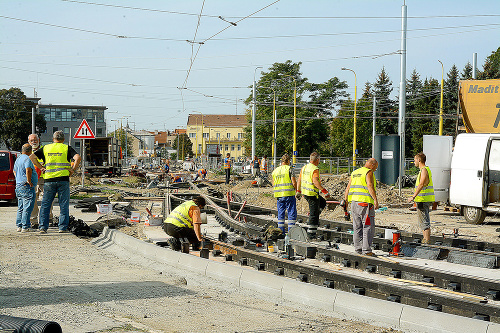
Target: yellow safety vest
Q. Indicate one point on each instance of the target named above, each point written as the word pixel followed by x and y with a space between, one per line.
pixel 283 186
pixel 358 191
pixel 56 160
pixel 427 192
pixel 180 215
pixel 306 183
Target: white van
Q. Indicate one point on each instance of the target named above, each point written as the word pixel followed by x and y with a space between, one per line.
pixel 472 171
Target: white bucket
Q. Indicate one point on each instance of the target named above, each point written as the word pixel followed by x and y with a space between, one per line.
pixel 153 221
pixel 104 208
pixel 388 233
pixel 135 217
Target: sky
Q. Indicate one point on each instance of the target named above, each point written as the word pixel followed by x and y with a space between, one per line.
pixel 152 62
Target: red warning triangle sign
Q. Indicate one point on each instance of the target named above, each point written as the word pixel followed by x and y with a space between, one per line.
pixel 84 131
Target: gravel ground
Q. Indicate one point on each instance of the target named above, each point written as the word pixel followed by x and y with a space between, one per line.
pixel 66 279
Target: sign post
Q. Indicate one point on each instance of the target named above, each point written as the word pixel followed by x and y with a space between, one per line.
pixel 84 132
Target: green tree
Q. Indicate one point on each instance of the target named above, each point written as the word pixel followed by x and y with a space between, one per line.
pixel 450 101
pixel 387 113
pixel 413 94
pixel 312 129
pixel 185 145
pixel 466 72
pixel 491 67
pixel 15 118
pixel 425 114
pixel 120 135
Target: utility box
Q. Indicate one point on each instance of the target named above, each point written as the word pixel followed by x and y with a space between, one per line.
pixel 438 151
pixel 387 156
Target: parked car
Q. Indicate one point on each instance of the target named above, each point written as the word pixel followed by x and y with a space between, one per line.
pixel 238 167
pixel 7 178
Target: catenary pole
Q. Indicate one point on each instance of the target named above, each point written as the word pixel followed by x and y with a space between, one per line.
pixel 254 110
pixel 374 131
pixel 402 98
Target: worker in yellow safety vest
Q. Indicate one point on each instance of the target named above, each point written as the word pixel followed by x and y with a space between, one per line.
pixel 227 167
pixel 309 185
pixel 185 222
pixel 57 168
pixel 361 193
pixel 284 184
pixel 423 196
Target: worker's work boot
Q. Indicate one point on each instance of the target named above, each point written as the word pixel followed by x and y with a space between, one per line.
pixel 174 244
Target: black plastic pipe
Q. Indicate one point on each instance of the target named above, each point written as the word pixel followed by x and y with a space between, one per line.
pixel 26 325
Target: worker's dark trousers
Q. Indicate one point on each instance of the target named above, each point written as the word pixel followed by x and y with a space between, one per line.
pixel 178 232
pixel 228 175
pixel 316 205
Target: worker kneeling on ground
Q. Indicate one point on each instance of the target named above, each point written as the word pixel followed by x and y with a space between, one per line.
pixel 361 193
pixel 185 222
pixel 202 173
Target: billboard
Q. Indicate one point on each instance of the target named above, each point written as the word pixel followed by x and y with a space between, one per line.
pixel 480 103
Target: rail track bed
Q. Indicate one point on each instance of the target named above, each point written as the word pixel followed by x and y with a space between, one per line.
pixel 428 276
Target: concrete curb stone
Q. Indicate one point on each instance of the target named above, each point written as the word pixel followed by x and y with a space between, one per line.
pixel 396 315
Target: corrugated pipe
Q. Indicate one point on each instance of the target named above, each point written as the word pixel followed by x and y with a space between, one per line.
pixel 26 325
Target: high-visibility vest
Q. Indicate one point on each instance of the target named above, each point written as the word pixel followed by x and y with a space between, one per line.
pixel 202 172
pixel 180 215
pixel 358 191
pixel 283 186
pixel 427 192
pixel 227 163
pixel 56 160
pixel 263 165
pixel 306 180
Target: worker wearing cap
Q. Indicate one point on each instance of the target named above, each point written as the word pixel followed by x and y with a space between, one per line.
pixel 361 193
pixel 423 196
pixel 284 184
pixel 185 222
pixel 227 167
pixel 202 172
pixel 309 185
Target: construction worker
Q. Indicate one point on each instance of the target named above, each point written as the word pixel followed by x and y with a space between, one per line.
pixel 57 157
pixel 227 167
pixel 361 193
pixel 185 222
pixel 34 141
pixel 263 166
pixel 284 184
pixel 309 185
pixel 423 196
pixel 255 166
pixel 202 172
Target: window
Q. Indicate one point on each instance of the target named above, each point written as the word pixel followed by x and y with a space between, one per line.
pixel 54 129
pixel 66 130
pixel 226 147
pixel 232 147
pixel 192 135
pixel 218 136
pixel 199 148
pixel 77 144
pixel 99 131
pixel 205 135
pixel 228 135
pixel 239 147
pixel 240 136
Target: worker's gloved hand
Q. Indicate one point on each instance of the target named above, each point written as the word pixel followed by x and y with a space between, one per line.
pixel 298 195
pixel 343 204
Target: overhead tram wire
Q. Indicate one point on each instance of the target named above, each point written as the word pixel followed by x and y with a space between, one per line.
pixel 192 45
pixel 283 17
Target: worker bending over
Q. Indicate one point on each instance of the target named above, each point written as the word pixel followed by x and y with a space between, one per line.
pixel 284 184
pixel 423 196
pixel 185 222
pixel 361 193
pixel 309 185
pixel 202 173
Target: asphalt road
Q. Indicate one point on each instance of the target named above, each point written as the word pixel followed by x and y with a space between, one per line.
pixel 63 278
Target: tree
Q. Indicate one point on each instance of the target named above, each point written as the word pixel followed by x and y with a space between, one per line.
pixel 387 113
pixel 312 129
pixel 425 114
pixel 467 72
pixel 120 135
pixel 413 94
pixel 450 101
pixel 15 118
pixel 185 145
pixel 491 67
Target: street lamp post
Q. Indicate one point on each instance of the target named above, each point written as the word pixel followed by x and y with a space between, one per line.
pixel 294 147
pixel 254 111
pixel 355 104
pixel 441 103
pixel 274 147
pixel 197 151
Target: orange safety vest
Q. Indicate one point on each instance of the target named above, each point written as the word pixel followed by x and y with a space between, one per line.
pixel 227 163
pixel 263 166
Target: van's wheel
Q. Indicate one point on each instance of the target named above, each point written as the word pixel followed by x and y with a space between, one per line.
pixel 474 215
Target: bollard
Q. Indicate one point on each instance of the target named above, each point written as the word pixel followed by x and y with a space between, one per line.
pixel 396 242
